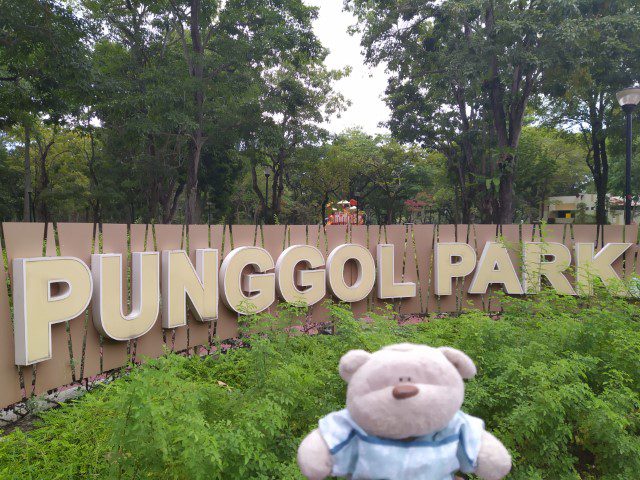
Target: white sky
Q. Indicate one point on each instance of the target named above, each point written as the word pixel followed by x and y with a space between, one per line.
pixel 365 86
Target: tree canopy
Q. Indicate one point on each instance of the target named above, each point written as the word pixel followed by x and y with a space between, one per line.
pixel 208 111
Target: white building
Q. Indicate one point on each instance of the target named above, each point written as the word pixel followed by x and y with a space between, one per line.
pixel 582 207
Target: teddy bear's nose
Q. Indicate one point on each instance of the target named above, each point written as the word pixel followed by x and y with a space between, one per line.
pixel 404 391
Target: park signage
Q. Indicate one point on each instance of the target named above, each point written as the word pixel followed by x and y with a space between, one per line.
pixel 166 285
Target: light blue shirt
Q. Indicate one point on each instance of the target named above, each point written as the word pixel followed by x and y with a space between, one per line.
pixel 436 456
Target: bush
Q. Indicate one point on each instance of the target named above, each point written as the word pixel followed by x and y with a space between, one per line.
pixel 558 383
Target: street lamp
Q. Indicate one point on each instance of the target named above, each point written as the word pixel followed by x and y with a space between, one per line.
pixel 267 173
pixel 628 99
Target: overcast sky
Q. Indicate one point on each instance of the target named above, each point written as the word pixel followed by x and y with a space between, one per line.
pixel 365 86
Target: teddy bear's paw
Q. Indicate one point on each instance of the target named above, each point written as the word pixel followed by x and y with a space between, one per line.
pixel 494 461
pixel 314 457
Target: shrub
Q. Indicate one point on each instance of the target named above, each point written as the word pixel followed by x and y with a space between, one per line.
pixel 558 382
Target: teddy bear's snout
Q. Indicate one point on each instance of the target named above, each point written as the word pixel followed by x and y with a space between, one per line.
pixel 405 391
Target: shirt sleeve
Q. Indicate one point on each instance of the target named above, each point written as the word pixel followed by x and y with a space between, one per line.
pixel 337 430
pixel 471 429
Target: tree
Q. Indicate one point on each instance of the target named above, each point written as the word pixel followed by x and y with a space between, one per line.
pixel 139 99
pixel 43 68
pixel 325 175
pixel 395 174
pixel 297 98
pixel 601 57
pixel 464 71
pixel 550 162
pixel 60 172
pixel 11 189
pixel 224 42
pixel 349 153
pixel 383 171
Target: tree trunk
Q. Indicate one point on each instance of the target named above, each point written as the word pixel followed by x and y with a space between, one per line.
pixel 192 178
pixel 601 180
pixel 197 72
pixel 26 212
pixel 605 178
pixel 600 165
pixel 601 206
pixel 277 188
pixel 323 210
pixel 93 178
pixel 465 164
pixel 96 212
pixel 390 216
pixel 132 213
pixel 43 186
pixel 508 108
pixel 170 204
pixel 256 189
pixel 506 193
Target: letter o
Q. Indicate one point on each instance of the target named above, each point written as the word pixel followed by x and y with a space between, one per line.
pixel 366 272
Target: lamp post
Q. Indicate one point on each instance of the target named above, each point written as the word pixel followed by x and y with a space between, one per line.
pixel 628 99
pixel 267 173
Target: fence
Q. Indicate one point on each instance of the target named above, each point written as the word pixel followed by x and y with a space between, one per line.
pixel 80 353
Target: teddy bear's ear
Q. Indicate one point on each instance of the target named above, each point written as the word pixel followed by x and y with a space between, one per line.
pixel 352 361
pixel 461 361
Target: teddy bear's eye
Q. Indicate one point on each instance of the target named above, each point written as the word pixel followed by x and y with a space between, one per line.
pixel 405 379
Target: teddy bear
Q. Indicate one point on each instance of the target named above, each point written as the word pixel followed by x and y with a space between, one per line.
pixel 403 421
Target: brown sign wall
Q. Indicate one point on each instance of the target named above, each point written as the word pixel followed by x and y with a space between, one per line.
pixel 79 353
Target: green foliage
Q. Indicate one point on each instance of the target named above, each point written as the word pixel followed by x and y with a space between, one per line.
pixel 183 103
pixel 383 171
pixel 466 75
pixel 558 382
pixel 43 61
pixel 550 163
pixel 59 169
pixel 10 193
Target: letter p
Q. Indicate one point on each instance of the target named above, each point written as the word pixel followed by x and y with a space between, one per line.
pixel 46 291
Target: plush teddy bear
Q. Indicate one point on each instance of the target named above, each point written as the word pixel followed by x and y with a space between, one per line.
pixel 403 421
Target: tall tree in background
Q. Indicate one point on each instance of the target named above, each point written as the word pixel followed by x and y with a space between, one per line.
pixel 600 58
pixel 43 68
pixel 435 95
pixel 551 163
pixel 483 60
pixel 297 97
pixel 223 39
pixel 61 186
pixel 139 100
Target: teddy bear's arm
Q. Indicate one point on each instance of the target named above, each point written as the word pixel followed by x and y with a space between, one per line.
pixel 494 461
pixel 314 457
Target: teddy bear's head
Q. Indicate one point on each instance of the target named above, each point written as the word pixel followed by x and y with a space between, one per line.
pixel 405 390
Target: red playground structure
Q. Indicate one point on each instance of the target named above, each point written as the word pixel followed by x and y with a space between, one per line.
pixel 347 213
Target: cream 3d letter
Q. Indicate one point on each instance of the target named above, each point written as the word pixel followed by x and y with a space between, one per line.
pixel 445 267
pixel 260 288
pixel 590 266
pixel 183 286
pixel 108 308
pixel 313 281
pixel 46 291
pixel 495 266
pixel 537 266
pixel 336 263
pixel 387 286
